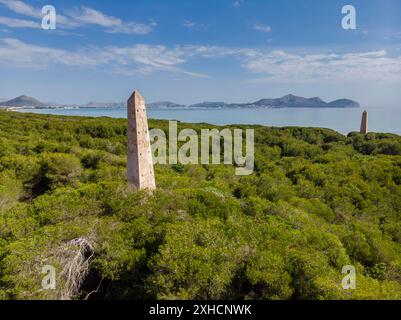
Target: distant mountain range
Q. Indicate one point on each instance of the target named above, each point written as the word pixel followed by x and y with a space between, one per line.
pixel 288 101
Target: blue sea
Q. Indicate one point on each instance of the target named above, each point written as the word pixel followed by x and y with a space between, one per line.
pixel 342 120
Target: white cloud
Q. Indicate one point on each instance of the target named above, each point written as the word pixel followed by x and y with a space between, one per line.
pixel 80 16
pixel 144 58
pixel 133 28
pixel 188 24
pixel 85 15
pixel 15 53
pixel 141 58
pixel 27 10
pixel 262 28
pixel 22 8
pixel 194 25
pixel 18 23
pixel 281 66
pixel 270 66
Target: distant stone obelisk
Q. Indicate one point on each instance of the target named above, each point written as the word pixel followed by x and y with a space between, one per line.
pixel 140 172
pixel 364 123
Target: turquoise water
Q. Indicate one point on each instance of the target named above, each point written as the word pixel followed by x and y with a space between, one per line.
pixel 341 120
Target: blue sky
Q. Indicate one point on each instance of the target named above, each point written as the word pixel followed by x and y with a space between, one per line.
pixel 191 51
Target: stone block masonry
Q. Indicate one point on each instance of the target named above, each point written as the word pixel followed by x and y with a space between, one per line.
pixel 140 173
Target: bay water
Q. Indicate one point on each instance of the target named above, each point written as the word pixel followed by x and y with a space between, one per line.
pixel 342 120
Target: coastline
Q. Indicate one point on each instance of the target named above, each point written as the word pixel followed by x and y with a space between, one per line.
pixel 343 120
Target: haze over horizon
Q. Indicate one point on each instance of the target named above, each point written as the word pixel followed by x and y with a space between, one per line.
pixel 231 51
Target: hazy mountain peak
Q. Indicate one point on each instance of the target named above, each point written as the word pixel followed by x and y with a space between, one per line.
pixel 23 101
pixel 289 96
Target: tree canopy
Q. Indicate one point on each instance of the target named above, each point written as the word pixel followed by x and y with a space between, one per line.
pixel 317 201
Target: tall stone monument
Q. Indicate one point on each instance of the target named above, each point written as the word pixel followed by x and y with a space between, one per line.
pixel 364 123
pixel 140 172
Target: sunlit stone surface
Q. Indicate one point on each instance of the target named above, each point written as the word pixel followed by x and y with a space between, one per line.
pixel 140 172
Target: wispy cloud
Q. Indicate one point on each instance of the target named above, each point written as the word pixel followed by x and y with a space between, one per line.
pixel 18 23
pixel 85 15
pixel 262 27
pixel 18 54
pixel 147 59
pixel 76 17
pixel 21 8
pixel 140 58
pixel 281 66
pixel 188 24
pixel 194 25
pixel 27 10
pixel 260 65
pixel 133 28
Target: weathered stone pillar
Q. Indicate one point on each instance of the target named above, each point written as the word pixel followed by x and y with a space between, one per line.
pixel 140 172
pixel 364 123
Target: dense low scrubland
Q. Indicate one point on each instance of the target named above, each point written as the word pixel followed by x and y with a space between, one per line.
pixel 317 201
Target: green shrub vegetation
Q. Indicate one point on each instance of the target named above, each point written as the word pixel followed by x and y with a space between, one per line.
pixel 317 201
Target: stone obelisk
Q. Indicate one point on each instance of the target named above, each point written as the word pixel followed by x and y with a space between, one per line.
pixel 364 123
pixel 140 172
